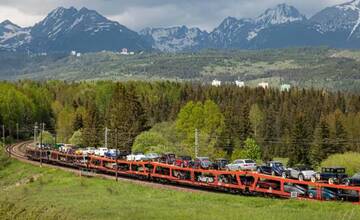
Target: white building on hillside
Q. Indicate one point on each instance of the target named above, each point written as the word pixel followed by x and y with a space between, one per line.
pixel 73 53
pixel 124 51
pixel 285 87
pixel 240 83
pixel 263 85
pixel 216 83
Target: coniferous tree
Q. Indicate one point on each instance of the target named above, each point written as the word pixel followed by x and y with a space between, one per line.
pixel 126 117
pixel 92 131
pixel 321 146
pixel 269 138
pixel 245 130
pixel 300 143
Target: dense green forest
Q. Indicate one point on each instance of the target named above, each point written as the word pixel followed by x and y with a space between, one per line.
pixel 305 125
pixel 300 67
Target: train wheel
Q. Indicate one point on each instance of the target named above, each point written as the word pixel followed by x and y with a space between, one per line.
pixel 331 181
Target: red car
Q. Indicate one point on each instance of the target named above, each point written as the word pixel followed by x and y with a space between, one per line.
pixel 183 161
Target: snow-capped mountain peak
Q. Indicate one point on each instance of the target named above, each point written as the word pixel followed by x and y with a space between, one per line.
pixel 343 17
pixel 280 14
pixel 174 39
pixel 353 5
pixel 12 36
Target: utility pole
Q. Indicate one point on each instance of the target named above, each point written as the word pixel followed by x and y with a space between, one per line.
pixel 41 134
pixel 35 132
pixel 106 137
pixel 196 142
pixel 3 134
pixel 17 132
pixel 55 136
pixel 116 154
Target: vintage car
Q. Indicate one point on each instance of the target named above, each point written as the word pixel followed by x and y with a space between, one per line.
pixel 274 168
pixel 352 181
pixel 300 172
pixel 330 174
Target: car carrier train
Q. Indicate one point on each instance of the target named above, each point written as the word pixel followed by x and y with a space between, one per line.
pixel 237 182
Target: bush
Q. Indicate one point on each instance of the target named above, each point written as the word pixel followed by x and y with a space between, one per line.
pixel 349 160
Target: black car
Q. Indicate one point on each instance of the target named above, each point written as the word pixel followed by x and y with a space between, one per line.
pixel 330 174
pixel 352 181
pixel 273 168
pixel 220 164
pixel 168 158
pixel 347 195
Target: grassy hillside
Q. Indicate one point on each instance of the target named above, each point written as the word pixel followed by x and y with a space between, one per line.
pixel 304 67
pixel 29 192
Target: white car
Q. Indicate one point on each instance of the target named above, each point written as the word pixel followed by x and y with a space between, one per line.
pixel 242 164
pixel 89 150
pixel 101 151
pixel 152 156
pixel 136 157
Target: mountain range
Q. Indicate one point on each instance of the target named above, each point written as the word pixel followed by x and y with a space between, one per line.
pixel 86 30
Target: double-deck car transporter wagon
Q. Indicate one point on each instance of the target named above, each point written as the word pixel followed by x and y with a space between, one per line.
pixel 241 182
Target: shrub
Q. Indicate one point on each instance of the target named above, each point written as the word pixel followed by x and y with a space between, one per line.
pixel 349 160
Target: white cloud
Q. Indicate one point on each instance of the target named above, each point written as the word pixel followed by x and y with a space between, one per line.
pixel 18 17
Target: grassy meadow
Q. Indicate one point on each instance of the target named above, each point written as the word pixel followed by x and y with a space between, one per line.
pixel 31 192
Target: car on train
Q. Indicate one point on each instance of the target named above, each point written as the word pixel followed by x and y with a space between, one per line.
pixel 202 163
pixel 352 181
pixel 220 164
pixel 274 168
pixel 184 161
pixel 242 164
pixel 300 172
pixel 332 175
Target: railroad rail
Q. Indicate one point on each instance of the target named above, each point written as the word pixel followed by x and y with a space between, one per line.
pixel 18 151
pixel 239 182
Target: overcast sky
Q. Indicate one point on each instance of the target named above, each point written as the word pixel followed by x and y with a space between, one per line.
pixel 137 14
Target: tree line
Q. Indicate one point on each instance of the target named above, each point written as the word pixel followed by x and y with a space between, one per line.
pixel 305 125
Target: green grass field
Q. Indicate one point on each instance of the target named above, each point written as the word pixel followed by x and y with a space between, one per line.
pixel 30 192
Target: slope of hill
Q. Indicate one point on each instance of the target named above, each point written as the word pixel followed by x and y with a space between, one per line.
pixel 304 67
pixel 31 192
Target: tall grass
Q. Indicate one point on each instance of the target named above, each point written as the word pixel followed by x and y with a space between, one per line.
pixel 349 160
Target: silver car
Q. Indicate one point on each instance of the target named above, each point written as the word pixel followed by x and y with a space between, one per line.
pixel 300 172
pixel 242 164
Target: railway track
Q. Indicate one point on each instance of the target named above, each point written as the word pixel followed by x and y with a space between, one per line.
pixel 18 151
pixel 160 175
